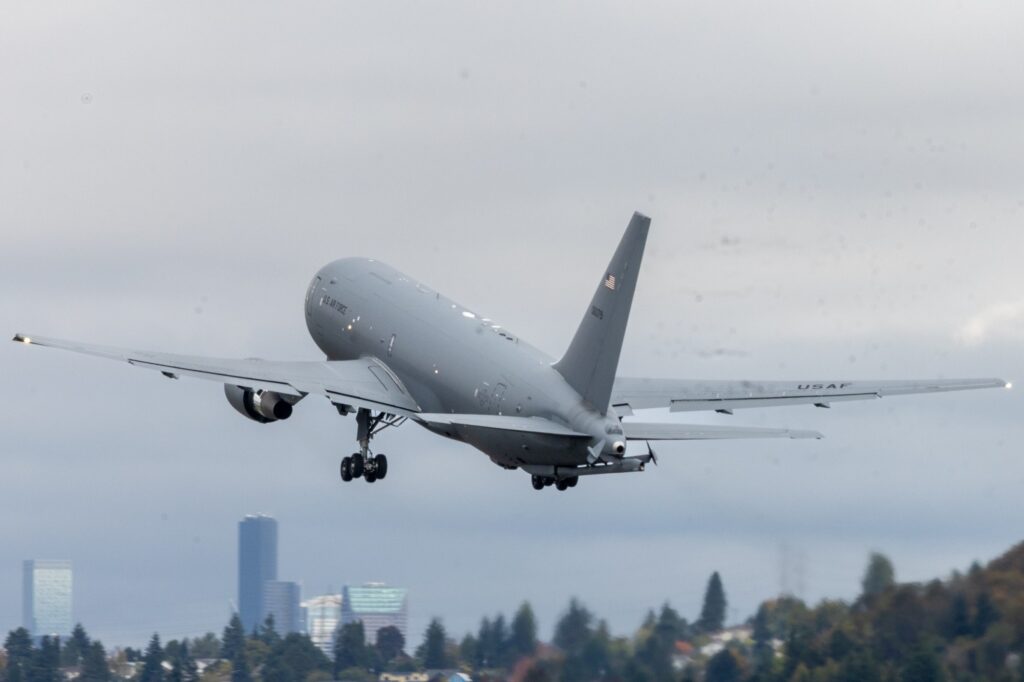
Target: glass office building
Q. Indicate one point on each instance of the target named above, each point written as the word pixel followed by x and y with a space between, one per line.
pixel 257 564
pixel 377 606
pixel 46 597
pixel 281 600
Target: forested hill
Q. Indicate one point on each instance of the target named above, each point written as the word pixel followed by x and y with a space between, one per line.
pixel 967 627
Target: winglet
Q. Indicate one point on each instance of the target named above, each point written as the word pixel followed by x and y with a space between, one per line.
pixel 593 356
pixel 21 338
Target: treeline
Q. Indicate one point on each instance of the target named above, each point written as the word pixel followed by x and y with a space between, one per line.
pixel 967 628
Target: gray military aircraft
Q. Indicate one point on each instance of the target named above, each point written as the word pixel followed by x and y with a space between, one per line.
pixel 397 350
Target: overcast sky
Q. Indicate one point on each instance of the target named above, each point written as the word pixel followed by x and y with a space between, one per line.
pixel 836 191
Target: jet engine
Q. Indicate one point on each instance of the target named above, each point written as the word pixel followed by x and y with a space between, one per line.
pixel 260 406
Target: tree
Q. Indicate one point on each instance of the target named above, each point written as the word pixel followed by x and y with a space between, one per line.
pixel 432 652
pixel 46 661
pixel 294 659
pixel 879 575
pixel 469 650
pixel 267 632
pixel 573 629
pixel 152 662
pixel 523 638
pixel 985 613
pixel 94 664
pixel 712 614
pixel 183 666
pixel 207 646
pixel 18 646
pixel 723 667
pixel 233 639
pixel 959 616
pixel 76 646
pixel 390 643
pixel 349 647
pixel 922 666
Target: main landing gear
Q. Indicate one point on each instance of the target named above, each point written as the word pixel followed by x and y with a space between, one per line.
pixel 541 482
pixel 364 464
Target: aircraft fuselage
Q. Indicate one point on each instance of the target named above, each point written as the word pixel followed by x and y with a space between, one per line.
pixel 452 360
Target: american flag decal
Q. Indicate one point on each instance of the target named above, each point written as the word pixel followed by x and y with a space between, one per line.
pixel 609 282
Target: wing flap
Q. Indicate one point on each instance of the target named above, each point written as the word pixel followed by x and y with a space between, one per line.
pixel 537 425
pixel 344 382
pixel 671 431
pixel 699 395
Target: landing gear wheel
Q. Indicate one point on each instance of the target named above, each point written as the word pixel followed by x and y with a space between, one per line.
pixel 370 476
pixel 346 469
pixel 380 467
pixel 562 484
pixel 538 482
pixel 573 481
pixel 357 465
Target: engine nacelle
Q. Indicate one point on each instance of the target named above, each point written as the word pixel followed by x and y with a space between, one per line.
pixel 260 406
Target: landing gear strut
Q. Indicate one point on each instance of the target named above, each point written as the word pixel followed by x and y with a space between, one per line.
pixel 364 464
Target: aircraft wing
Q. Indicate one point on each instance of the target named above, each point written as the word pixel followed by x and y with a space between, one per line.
pixel 697 395
pixel 537 425
pixel 669 431
pixel 365 382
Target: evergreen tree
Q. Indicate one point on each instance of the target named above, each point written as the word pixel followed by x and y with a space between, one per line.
pixel 152 663
pixel 432 652
pixel 18 646
pixel 985 613
pixel 959 616
pixel 878 576
pixel 469 651
pixel 712 613
pixel 75 648
pixel 183 665
pixel 500 637
pixel 485 650
pixel 859 667
pixel 390 643
pixel 573 629
pixel 233 639
pixel 267 631
pixel 762 635
pixel 46 661
pixel 349 647
pixel 94 664
pixel 523 638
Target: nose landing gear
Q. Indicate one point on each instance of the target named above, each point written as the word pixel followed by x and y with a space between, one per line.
pixel 363 464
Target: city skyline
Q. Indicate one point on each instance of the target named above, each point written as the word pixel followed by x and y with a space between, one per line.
pixel 257 564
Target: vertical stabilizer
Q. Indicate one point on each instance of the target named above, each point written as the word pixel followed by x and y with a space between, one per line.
pixel 593 356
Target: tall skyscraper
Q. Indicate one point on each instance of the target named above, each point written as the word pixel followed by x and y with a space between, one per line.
pixel 281 600
pixel 257 563
pixel 377 606
pixel 46 597
pixel 323 615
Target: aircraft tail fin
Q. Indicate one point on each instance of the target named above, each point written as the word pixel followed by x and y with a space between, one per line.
pixel 590 363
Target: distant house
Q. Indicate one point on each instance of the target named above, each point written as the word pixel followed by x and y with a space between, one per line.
pixel 460 677
pixel 404 677
pixel 682 655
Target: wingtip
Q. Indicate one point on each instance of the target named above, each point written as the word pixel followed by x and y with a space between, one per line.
pixel 21 338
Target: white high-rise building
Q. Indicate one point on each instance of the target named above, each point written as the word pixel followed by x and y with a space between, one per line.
pixel 323 616
pixel 46 597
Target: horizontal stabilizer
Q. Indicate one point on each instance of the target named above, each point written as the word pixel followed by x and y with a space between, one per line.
pixel 670 431
pixel 501 422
